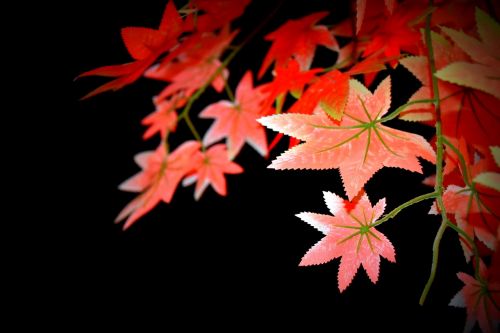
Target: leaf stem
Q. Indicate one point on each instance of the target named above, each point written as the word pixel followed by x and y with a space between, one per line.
pixel 193 130
pixel 184 114
pixel 400 109
pixel 439 158
pixel 229 92
pixel 461 159
pixel 473 245
pixel 407 204
pixel 435 257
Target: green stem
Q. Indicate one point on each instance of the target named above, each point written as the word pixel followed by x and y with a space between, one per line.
pixel 193 130
pixel 235 50
pixel 435 257
pixel 400 109
pixel 439 159
pixel 229 92
pixel 184 114
pixel 200 91
pixel 469 240
pixel 461 160
pixel 407 204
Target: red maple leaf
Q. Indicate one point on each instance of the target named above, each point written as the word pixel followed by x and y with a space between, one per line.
pixel 236 120
pixel 358 145
pixel 193 63
pixel 164 119
pixel 329 93
pixel 350 235
pixel 484 73
pixel 217 13
pixel 212 166
pixel 476 207
pixel 298 39
pixel 158 180
pixel 481 298
pixel 465 112
pixel 362 5
pixel 288 78
pixel 396 33
pixel 145 45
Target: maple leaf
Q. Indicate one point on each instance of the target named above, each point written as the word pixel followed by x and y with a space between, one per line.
pixel 193 78
pixel 145 46
pixel 212 166
pixel 359 145
pixel 192 64
pixel 361 6
pixel 396 33
pixel 481 298
pixel 288 78
pixel 158 180
pixel 329 92
pixel 475 206
pixel 164 119
pixel 472 213
pixel 236 120
pixel 350 235
pixel 298 39
pixel 485 73
pixel 218 13
pixel 465 112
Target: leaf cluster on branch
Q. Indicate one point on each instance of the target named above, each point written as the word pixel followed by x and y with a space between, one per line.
pixel 336 119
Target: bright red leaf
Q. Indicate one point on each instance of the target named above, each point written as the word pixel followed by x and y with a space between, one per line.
pixel 298 39
pixel 329 93
pixel 217 13
pixel 396 33
pixel 145 46
pixel 288 78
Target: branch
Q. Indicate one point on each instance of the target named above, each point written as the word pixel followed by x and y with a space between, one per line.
pixel 400 109
pixel 439 159
pixel 407 204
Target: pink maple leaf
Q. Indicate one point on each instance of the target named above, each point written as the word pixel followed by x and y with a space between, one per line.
pixel 481 298
pixel 164 119
pixel 465 112
pixel 350 235
pixel 192 64
pixel 158 180
pixel 212 165
pixel 236 120
pixel 358 145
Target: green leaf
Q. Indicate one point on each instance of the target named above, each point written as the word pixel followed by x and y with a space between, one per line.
pixel 495 151
pixel 473 76
pixel 489 30
pixel 417 116
pixel 332 111
pixel 296 93
pixel 489 179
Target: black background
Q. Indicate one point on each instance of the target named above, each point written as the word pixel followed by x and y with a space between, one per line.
pixel 221 259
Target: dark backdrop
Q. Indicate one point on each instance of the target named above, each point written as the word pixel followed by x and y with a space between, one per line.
pixel 234 258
